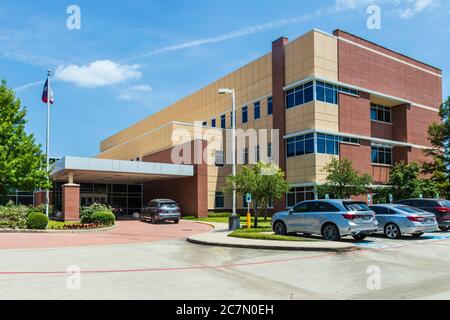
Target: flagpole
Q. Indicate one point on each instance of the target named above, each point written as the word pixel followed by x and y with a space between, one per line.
pixel 47 145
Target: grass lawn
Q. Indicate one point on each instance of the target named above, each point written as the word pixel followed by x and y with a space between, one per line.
pixel 265 234
pixel 223 218
pixel 58 224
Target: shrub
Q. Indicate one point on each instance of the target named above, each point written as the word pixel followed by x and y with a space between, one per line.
pixel 13 217
pixel 104 217
pixel 87 213
pixel 37 220
pixel 41 208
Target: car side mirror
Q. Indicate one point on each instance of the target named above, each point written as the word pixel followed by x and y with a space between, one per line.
pixel 291 211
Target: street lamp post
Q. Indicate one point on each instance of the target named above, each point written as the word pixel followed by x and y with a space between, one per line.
pixel 234 220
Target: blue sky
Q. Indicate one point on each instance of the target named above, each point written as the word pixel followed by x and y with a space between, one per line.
pixel 132 58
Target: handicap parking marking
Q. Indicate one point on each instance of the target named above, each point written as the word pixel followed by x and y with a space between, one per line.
pixel 384 243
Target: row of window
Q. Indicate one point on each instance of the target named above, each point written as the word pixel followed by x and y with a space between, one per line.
pixel 244 113
pixel 326 144
pixel 220 157
pixel 325 92
pixel 330 144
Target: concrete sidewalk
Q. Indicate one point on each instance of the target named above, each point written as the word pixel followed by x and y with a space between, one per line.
pixel 219 237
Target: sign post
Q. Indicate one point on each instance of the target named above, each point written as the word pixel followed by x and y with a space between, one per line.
pixel 369 198
pixel 391 198
pixel 248 198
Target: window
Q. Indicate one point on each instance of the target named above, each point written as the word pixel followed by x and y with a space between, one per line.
pixel 300 95
pixel 350 140
pixel 244 114
pixel 300 145
pixel 382 155
pixel 213 123
pixel 380 210
pixel 269 150
pixel 231 119
pixel 380 113
pixel 223 121
pixel 219 201
pixel 356 206
pixel 257 110
pixel 245 155
pixel 329 93
pixel 257 154
pixel 269 106
pixel 327 144
pixel 299 194
pixel 219 158
pixel 324 207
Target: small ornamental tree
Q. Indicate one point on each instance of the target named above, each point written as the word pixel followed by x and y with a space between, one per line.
pixel 22 163
pixel 405 182
pixel 343 181
pixel 266 183
pixel 439 135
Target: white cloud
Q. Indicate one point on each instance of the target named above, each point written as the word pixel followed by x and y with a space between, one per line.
pixel 417 7
pixel 28 85
pixel 231 35
pixel 141 88
pixel 98 73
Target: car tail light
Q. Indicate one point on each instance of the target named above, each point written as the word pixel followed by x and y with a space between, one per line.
pixel 442 209
pixel 416 218
pixel 351 216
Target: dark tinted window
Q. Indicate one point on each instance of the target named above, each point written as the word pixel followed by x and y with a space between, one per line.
pixel 302 207
pixel 444 203
pixel 409 209
pixel 356 206
pixel 428 203
pixel 380 210
pixel 324 207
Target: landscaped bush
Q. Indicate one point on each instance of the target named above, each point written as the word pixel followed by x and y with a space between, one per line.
pixel 13 217
pixel 104 217
pixel 37 221
pixel 41 208
pixel 87 213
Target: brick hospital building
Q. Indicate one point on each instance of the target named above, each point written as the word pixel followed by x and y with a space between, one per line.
pixel 329 95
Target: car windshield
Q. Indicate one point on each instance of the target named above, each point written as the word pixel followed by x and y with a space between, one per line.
pixel 409 209
pixel 356 206
pixel 444 203
pixel 169 205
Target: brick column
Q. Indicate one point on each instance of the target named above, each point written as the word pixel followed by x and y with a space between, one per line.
pixel 71 202
pixel 278 100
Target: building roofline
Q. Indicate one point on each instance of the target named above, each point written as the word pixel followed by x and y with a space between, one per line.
pixel 381 46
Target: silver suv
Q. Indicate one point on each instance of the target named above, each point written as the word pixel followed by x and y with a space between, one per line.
pixel 330 218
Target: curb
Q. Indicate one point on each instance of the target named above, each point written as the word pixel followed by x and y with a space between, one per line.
pixel 273 247
pixel 56 231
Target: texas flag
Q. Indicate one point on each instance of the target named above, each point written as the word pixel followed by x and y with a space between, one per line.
pixel 48 93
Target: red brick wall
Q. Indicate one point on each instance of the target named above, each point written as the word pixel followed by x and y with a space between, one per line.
pixel 190 193
pixel 399 116
pixel 71 202
pixel 381 130
pixel 360 156
pixel 370 70
pixel 278 99
pixel 354 114
pixel 39 198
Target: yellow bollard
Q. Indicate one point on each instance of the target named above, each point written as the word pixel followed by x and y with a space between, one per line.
pixel 248 220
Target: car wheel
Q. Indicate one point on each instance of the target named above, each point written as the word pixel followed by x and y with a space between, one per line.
pixel 141 217
pixel 444 228
pixel 330 232
pixel 392 231
pixel 280 228
pixel 359 237
pixel 176 221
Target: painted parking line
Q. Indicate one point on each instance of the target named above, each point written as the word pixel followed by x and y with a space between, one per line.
pixel 383 243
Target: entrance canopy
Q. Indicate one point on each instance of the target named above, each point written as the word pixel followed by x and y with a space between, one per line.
pixel 116 171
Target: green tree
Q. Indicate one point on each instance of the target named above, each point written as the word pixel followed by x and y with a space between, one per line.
pixel 405 182
pixel 266 183
pixel 439 135
pixel 343 181
pixel 22 164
